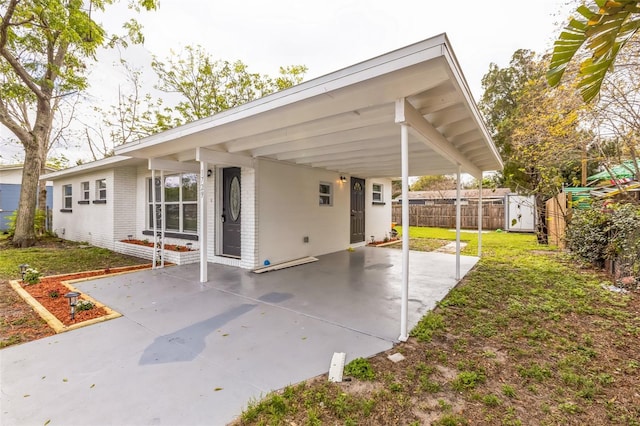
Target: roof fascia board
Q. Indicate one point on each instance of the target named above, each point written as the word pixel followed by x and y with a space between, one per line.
pixel 87 167
pixel 457 74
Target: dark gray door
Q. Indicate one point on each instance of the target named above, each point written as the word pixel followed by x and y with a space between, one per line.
pixel 357 210
pixel 231 211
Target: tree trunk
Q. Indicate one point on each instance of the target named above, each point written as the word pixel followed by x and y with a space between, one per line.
pixel 541 226
pixel 40 224
pixel 25 234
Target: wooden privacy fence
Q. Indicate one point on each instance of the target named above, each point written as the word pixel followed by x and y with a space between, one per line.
pixel 444 216
pixel 556 218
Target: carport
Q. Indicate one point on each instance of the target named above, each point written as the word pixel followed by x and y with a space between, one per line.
pixel 406 113
pixel 187 352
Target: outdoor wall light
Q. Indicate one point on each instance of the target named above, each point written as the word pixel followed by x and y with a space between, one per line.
pixel 23 269
pixel 343 179
pixel 73 301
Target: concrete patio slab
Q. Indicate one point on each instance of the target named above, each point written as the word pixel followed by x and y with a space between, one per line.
pixel 193 353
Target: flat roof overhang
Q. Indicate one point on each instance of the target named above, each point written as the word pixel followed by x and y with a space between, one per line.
pixel 348 121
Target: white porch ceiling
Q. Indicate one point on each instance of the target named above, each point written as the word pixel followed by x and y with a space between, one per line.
pixel 346 121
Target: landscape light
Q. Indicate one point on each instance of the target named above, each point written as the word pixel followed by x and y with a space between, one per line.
pixel 73 301
pixel 23 269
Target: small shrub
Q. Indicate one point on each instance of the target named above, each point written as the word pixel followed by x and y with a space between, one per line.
pixel 598 234
pixel 360 368
pixel 54 294
pixel 31 276
pixel 84 305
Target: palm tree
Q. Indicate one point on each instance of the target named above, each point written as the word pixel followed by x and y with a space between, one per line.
pixel 603 33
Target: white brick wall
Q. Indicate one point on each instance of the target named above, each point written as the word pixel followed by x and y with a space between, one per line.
pixel 90 222
pixel 177 257
pixel 249 220
pixel 124 202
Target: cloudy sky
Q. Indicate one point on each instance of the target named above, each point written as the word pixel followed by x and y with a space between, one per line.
pixel 331 34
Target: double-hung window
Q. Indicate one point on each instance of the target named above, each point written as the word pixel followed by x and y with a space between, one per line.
pixel 180 202
pixel 377 193
pixel 326 194
pixel 84 191
pixel 67 196
pixel 101 189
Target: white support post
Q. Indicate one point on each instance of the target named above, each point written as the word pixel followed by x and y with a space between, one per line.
pixel 163 218
pixel 405 233
pixel 480 218
pixel 458 214
pixel 202 221
pixel 154 214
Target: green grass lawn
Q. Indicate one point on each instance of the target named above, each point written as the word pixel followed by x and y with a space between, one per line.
pixel 529 337
pixel 52 256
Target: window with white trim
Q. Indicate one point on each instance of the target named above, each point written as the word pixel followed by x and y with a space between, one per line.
pixel 180 202
pixel 101 189
pixel 326 194
pixel 67 196
pixel 377 191
pixel 84 191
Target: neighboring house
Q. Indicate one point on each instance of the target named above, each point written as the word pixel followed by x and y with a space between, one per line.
pixel 10 184
pixel 301 172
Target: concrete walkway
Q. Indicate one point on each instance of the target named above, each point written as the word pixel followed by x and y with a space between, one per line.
pixel 187 353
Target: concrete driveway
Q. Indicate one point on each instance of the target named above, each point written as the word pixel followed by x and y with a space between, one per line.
pixel 187 353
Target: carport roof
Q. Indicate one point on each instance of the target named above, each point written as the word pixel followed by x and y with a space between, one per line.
pixel 348 121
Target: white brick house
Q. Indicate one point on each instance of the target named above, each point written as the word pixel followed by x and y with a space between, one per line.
pixel 304 171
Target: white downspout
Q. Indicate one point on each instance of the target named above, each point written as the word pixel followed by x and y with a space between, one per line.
pixel 404 149
pixel 202 221
pixel 458 213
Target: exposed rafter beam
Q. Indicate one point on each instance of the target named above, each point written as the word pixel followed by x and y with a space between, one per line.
pixel 368 144
pixel 337 123
pixel 346 156
pixel 223 158
pixel 373 160
pixel 173 166
pixel 328 140
pixel 407 114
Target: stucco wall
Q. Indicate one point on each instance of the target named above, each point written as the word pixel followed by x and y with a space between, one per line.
pixel 378 216
pixel 93 223
pixel 289 210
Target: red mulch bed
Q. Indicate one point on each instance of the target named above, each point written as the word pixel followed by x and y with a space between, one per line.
pixel 44 292
pixel 172 247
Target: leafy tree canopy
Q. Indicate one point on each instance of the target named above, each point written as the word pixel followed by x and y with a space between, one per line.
pixel 45 48
pixel 433 183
